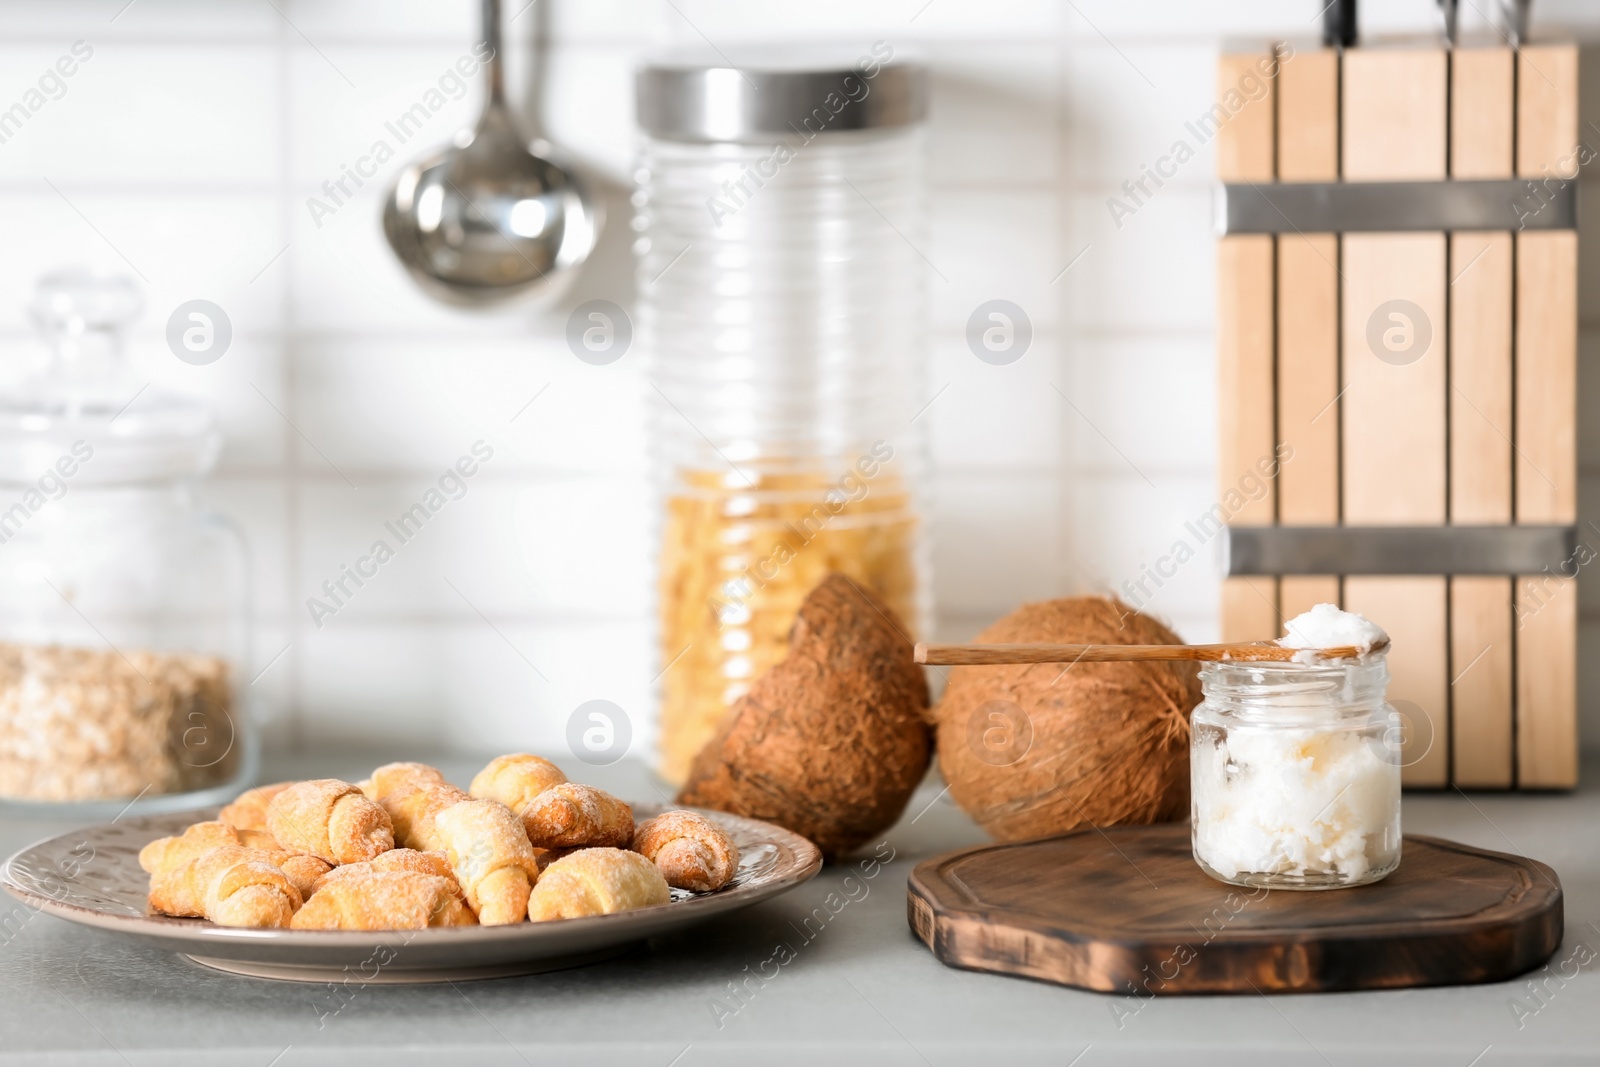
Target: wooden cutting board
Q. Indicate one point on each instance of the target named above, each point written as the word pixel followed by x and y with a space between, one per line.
pixel 1126 910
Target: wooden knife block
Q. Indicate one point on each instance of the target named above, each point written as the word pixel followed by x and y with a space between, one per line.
pixel 1479 429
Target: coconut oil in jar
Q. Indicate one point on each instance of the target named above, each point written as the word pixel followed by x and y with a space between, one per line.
pixel 1295 774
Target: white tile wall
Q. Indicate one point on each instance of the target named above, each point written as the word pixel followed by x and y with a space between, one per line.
pixel 186 149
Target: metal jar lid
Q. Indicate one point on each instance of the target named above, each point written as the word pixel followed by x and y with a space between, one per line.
pixel 751 94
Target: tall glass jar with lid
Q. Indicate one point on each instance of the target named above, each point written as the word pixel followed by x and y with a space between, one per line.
pixel 124 620
pixel 780 278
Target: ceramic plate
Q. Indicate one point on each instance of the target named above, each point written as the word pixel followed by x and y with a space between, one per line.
pixel 92 876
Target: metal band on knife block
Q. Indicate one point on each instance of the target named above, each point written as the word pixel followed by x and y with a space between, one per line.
pixel 1396 207
pixel 1280 550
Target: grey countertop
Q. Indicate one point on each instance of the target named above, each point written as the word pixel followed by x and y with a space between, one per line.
pixel 864 990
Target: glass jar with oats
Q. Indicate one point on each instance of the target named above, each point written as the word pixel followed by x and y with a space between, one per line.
pixel 124 617
pixel 779 222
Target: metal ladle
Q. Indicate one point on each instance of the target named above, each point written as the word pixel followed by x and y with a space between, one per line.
pixel 488 221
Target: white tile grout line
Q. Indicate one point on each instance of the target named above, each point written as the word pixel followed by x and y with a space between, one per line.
pixel 182 187
pixel 294 684
pixel 1063 562
pixel 379 40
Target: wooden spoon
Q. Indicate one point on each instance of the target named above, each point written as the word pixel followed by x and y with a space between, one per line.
pixel 1257 651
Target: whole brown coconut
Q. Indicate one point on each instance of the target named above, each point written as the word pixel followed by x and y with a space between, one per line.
pixel 1040 749
pixel 831 742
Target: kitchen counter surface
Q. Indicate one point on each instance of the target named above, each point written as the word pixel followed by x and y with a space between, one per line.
pixel 863 990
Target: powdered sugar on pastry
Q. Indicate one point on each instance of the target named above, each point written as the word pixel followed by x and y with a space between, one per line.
pixel 170 853
pixel 396 859
pixel 331 819
pixel 516 780
pixel 578 816
pixel 231 886
pixel 384 900
pixel 249 810
pixel 691 851
pixel 597 881
pixel 491 858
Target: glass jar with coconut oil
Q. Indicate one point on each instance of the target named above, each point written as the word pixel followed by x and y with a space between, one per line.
pixel 1295 774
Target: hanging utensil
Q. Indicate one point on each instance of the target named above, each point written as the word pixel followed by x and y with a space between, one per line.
pixel 488 221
